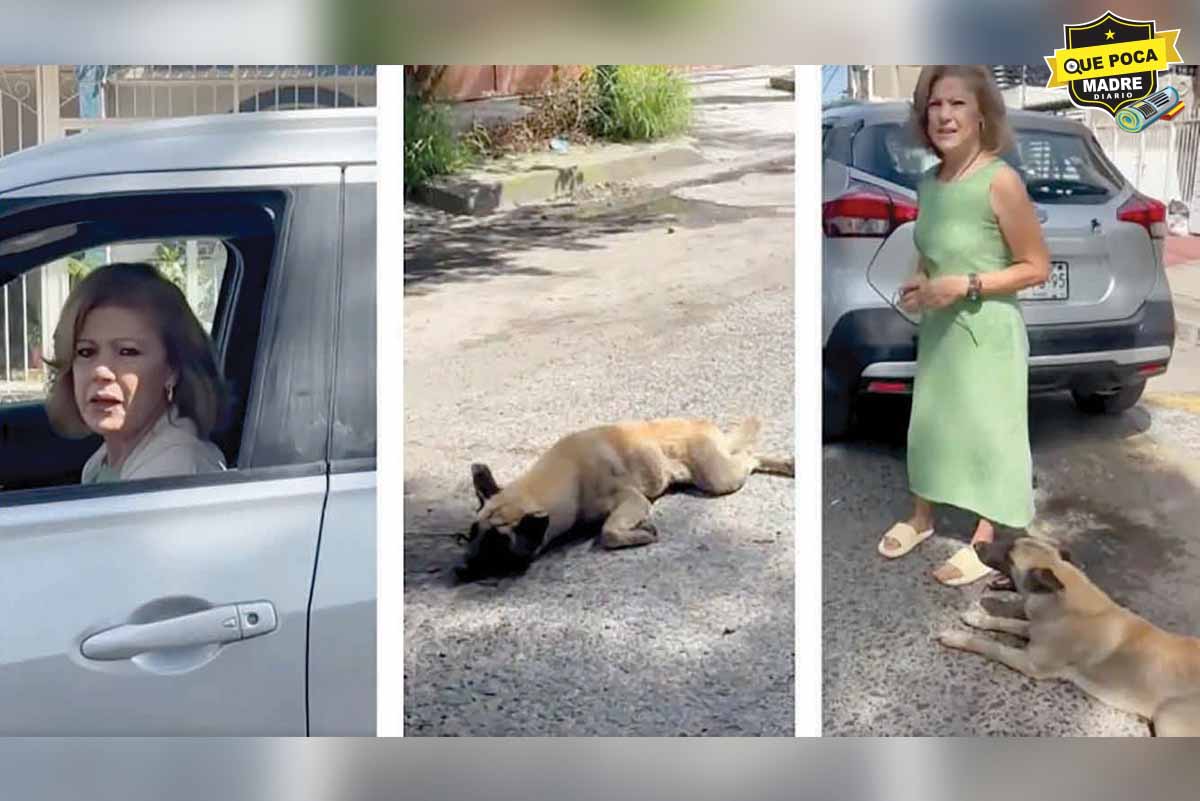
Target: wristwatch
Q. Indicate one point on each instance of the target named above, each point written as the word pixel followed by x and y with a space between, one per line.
pixel 974 287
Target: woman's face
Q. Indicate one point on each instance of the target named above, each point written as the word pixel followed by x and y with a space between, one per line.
pixel 120 372
pixel 953 118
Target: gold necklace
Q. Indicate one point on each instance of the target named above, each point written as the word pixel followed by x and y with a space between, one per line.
pixel 962 170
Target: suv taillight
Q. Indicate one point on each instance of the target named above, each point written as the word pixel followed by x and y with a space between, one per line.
pixel 1146 212
pixel 866 211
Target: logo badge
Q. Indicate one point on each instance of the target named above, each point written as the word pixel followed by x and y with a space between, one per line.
pixel 1112 63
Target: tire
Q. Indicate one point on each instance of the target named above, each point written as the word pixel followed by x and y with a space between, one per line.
pixel 836 411
pixel 1117 402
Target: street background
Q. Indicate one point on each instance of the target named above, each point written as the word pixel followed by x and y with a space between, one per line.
pixel 671 295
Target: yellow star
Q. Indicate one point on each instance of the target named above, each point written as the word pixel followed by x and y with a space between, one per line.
pixel 1109 34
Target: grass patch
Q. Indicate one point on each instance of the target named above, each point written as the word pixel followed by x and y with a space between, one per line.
pixel 431 147
pixel 622 103
pixel 641 102
pixel 612 103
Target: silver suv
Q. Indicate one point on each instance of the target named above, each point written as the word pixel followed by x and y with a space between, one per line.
pixel 1098 328
pixel 232 603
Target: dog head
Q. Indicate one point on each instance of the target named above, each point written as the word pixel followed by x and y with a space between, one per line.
pixel 1036 566
pixel 506 533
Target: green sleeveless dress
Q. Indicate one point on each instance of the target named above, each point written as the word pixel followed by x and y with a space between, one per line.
pixel 968 438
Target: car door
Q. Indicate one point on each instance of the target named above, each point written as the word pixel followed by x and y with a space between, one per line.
pixel 342 628
pixel 179 606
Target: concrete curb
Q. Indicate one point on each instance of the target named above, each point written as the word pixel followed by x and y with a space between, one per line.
pixel 783 83
pixel 715 172
pixel 483 193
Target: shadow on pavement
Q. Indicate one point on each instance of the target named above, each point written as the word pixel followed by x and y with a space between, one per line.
pixel 441 249
pixel 661 640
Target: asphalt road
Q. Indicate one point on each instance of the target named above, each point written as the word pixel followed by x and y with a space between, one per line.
pixel 1121 492
pixel 522 328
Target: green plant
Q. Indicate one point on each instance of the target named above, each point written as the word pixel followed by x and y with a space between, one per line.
pixel 170 258
pixel 641 102
pixel 431 147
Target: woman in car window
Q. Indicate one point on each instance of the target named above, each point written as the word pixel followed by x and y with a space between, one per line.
pixel 979 243
pixel 134 365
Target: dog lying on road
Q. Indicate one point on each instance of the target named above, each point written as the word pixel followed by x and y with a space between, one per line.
pixel 607 474
pixel 1076 632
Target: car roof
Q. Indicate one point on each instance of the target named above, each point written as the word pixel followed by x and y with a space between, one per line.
pixel 212 141
pixel 896 111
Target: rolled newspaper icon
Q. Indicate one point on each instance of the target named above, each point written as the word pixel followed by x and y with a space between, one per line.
pixel 1139 115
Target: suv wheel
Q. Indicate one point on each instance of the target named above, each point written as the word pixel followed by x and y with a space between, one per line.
pixel 1110 402
pixel 836 411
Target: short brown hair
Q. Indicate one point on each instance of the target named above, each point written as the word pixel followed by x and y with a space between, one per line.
pixel 996 136
pixel 200 392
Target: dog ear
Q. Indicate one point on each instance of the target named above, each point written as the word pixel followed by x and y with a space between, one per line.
pixel 530 532
pixel 1042 579
pixel 485 485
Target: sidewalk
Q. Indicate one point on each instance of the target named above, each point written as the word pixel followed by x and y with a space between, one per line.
pixel 741 122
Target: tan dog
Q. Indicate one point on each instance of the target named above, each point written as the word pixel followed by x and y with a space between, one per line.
pixel 1076 632
pixel 609 475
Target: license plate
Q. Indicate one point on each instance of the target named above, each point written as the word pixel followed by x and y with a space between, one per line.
pixel 1057 286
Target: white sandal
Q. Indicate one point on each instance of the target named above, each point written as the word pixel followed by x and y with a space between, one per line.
pixel 970 569
pixel 906 535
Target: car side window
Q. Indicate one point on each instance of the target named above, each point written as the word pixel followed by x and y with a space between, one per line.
pixel 354 393
pixel 835 144
pixel 33 301
pixel 890 151
pixel 218 248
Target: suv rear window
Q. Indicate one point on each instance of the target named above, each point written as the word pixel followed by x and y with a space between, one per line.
pixel 1057 167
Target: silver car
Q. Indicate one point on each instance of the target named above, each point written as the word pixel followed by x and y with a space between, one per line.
pixel 1098 328
pixel 238 603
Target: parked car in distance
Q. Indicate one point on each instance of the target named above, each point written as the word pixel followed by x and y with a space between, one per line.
pixel 239 603
pixel 1098 328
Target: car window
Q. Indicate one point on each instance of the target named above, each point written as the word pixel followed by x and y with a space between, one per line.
pixel 33 301
pixel 219 247
pixel 1063 168
pixel 892 152
pixel 1057 167
pixel 835 142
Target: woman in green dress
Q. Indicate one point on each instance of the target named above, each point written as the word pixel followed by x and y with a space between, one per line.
pixel 980 243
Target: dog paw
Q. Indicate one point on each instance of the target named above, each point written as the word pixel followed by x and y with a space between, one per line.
pixel 650 529
pixel 954 638
pixel 975 617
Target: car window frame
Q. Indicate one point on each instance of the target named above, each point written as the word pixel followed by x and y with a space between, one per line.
pixel 877 133
pixel 340 461
pixel 264 350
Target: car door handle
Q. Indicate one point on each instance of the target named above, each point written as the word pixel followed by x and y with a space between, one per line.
pixel 217 626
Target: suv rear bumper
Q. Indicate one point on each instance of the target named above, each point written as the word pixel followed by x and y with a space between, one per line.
pixel 878 344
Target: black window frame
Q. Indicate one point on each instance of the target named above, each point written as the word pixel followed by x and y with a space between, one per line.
pixel 311 463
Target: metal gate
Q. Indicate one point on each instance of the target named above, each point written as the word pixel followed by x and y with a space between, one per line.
pixel 95 96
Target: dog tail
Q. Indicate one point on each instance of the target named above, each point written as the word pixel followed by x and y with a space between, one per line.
pixel 743 438
pixel 776 466
pixel 745 435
